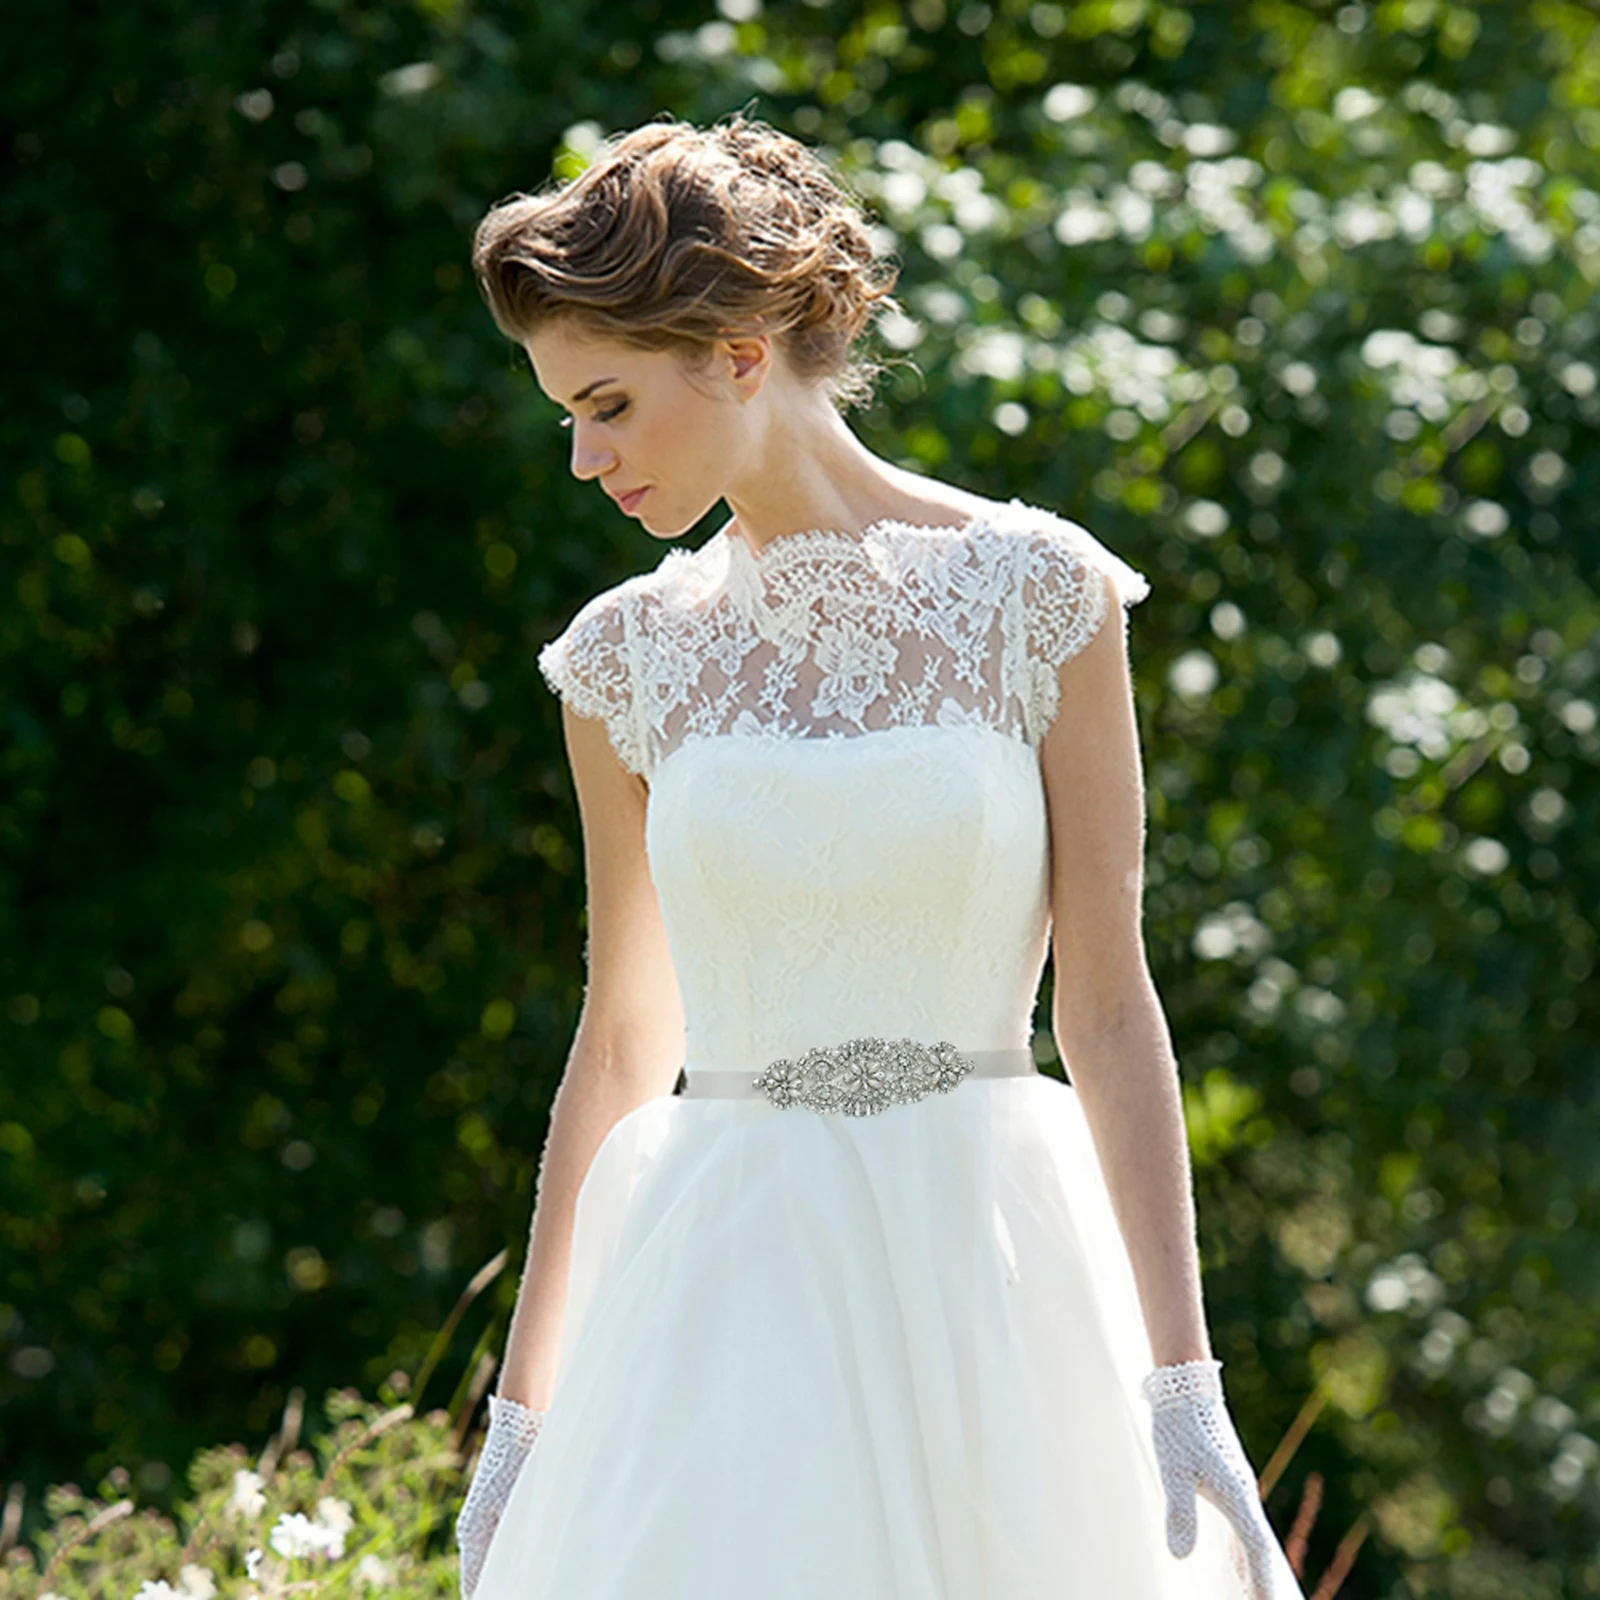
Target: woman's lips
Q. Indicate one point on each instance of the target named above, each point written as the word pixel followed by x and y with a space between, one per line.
pixel 629 501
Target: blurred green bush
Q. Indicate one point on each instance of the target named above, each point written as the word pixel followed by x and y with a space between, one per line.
pixel 367 1508
pixel 1290 303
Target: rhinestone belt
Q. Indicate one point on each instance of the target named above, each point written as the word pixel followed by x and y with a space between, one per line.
pixel 862 1076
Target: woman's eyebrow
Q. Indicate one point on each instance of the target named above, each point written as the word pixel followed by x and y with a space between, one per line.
pixel 589 389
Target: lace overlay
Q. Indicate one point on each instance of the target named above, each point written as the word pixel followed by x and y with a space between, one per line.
pixel 846 826
pixel 826 635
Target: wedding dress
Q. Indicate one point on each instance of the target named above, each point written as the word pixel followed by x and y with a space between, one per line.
pixel 815 1354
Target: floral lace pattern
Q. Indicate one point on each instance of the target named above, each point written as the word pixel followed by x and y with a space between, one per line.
pixel 828 635
pixel 818 890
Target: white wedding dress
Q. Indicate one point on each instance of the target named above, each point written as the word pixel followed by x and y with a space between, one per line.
pixel 815 1356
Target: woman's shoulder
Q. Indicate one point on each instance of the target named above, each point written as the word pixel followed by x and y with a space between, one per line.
pixel 943 507
pixel 595 663
pixel 1030 541
pixel 597 633
pixel 1024 521
pixel 1055 553
pixel 679 574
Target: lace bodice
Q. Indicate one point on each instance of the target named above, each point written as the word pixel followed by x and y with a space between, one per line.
pixel 846 823
pixel 827 635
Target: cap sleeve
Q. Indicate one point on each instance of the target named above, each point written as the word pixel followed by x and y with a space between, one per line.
pixel 1069 583
pixel 588 666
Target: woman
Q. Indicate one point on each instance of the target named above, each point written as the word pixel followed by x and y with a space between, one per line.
pixel 867 1309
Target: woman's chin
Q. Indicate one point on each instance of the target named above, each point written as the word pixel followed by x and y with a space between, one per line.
pixel 664 521
pixel 657 529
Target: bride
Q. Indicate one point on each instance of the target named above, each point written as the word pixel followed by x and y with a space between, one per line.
pixel 830 1295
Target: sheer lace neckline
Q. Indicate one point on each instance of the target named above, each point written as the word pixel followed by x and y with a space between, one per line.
pixel 833 540
pixel 822 634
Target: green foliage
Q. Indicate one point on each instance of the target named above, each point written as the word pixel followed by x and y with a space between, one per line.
pixel 1290 303
pixel 366 1509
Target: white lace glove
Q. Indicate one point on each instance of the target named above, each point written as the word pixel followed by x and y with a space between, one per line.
pixel 1199 1452
pixel 512 1430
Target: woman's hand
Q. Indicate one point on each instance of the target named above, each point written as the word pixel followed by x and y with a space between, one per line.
pixel 512 1431
pixel 1199 1452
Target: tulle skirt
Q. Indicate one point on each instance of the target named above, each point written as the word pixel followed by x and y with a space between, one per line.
pixel 820 1357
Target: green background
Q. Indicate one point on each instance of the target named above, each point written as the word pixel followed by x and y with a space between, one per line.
pixel 1290 304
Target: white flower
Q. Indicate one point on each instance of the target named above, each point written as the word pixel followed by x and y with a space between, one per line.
pixel 160 1590
pixel 252 1564
pixel 374 1573
pixel 855 671
pixel 335 1515
pixel 952 714
pixel 196 1582
pixel 297 1535
pixel 247 1499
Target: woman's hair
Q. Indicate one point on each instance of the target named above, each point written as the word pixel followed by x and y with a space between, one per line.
pixel 675 236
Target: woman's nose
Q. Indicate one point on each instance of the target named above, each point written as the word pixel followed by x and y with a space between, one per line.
pixel 588 459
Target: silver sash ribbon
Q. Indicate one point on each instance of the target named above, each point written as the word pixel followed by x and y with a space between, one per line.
pixel 861 1076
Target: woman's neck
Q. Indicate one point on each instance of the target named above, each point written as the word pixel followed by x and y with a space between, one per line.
pixel 810 472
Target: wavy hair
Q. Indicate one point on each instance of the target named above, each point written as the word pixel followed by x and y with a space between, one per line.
pixel 675 236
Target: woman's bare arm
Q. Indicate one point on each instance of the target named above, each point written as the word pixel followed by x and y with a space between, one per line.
pixel 627 1049
pixel 1107 1015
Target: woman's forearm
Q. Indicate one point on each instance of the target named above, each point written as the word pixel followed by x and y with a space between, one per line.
pixel 594 1095
pixel 1126 1076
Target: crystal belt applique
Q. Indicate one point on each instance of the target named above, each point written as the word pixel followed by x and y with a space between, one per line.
pixel 863 1076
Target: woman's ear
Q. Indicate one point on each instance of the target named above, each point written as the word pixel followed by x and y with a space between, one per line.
pixel 749 359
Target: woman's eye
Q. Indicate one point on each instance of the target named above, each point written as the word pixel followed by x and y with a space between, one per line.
pixel 600 416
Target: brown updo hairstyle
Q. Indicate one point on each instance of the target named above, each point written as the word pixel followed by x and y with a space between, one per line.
pixel 675 236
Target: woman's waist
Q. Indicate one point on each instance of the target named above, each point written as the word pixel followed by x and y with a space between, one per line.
pixel 856 1076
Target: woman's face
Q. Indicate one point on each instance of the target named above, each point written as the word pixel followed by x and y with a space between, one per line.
pixel 663 442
